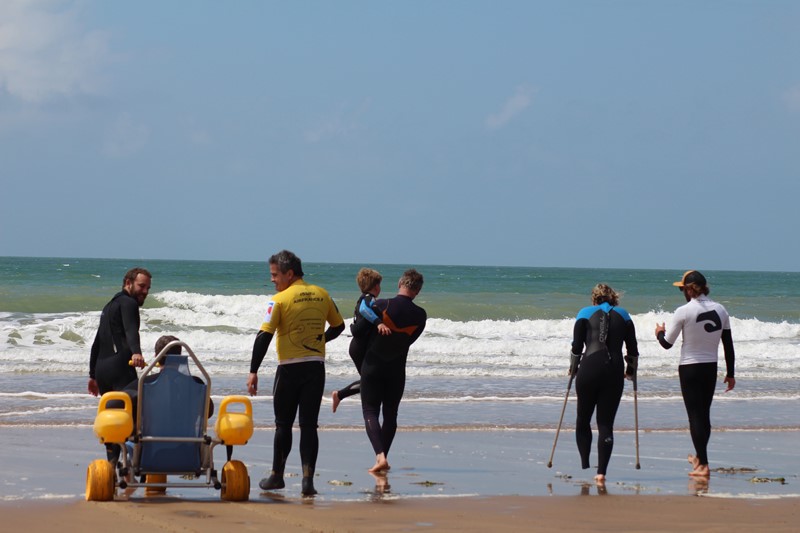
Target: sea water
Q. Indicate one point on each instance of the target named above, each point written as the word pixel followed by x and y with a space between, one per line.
pixel 494 353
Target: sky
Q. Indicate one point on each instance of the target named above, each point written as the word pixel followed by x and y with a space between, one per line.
pixel 621 134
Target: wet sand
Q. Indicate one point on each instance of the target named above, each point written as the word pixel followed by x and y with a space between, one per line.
pixel 440 481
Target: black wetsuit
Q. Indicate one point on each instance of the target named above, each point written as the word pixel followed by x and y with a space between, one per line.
pixel 600 381
pixel 383 372
pixel 116 341
pixel 365 320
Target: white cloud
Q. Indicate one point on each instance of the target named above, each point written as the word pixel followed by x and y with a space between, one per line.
pixel 45 52
pixel 513 106
pixel 125 137
pixel 792 98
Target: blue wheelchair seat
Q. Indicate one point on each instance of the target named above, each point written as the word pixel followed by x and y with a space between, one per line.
pixel 173 404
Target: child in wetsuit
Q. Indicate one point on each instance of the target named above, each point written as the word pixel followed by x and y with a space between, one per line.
pixel 366 319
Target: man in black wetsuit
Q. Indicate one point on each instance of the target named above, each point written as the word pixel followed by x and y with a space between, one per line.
pixel 117 339
pixel 383 372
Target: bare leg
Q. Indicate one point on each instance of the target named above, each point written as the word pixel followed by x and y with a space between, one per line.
pixel 381 464
pixel 336 400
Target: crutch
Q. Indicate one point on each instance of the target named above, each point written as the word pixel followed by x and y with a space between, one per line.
pixel 636 417
pixel 560 420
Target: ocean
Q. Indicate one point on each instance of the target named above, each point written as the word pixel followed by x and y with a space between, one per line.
pixel 494 354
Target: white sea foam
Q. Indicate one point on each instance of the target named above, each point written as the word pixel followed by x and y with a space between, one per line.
pixel 220 329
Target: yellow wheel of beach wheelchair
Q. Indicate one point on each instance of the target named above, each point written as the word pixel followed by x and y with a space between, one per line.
pixel 100 481
pixel 235 482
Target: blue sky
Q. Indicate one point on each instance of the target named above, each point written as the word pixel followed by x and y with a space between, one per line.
pixel 587 133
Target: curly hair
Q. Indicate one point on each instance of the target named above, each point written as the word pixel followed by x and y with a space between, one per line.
pixel 368 278
pixel 604 293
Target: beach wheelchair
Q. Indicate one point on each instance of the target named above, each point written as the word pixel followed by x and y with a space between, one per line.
pixel 169 435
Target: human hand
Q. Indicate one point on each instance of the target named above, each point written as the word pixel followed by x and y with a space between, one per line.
pixel 93 389
pixel 632 366
pixel 731 382
pixel 383 329
pixel 574 363
pixel 660 328
pixel 137 360
pixel 252 384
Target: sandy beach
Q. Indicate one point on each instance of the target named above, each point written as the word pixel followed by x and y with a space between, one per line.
pixel 514 513
pixel 440 481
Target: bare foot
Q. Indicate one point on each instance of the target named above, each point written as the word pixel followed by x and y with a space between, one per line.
pixel 336 400
pixel 600 479
pixel 381 464
pixel 693 460
pixel 701 471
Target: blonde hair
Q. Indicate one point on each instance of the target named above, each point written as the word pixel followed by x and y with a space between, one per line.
pixel 603 293
pixel 367 279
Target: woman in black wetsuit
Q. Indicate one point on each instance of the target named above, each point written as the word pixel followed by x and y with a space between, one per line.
pixel 601 328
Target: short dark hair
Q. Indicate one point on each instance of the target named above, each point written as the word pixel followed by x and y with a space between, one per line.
pixel 166 339
pixel 131 274
pixel 286 261
pixel 412 280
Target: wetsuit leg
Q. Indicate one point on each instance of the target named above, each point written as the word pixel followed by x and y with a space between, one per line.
pixel 310 399
pixel 586 387
pixel 286 399
pixel 358 347
pixel 372 397
pixel 357 351
pixel 395 386
pixel 113 374
pixel 350 390
pixel 607 405
pixel 698 382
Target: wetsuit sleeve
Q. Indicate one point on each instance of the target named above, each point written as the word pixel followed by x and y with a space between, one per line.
pixel 129 310
pixel 93 357
pixel 368 310
pixel 579 335
pixel 730 357
pixel 631 346
pixel 663 341
pixel 333 332
pixel 259 350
